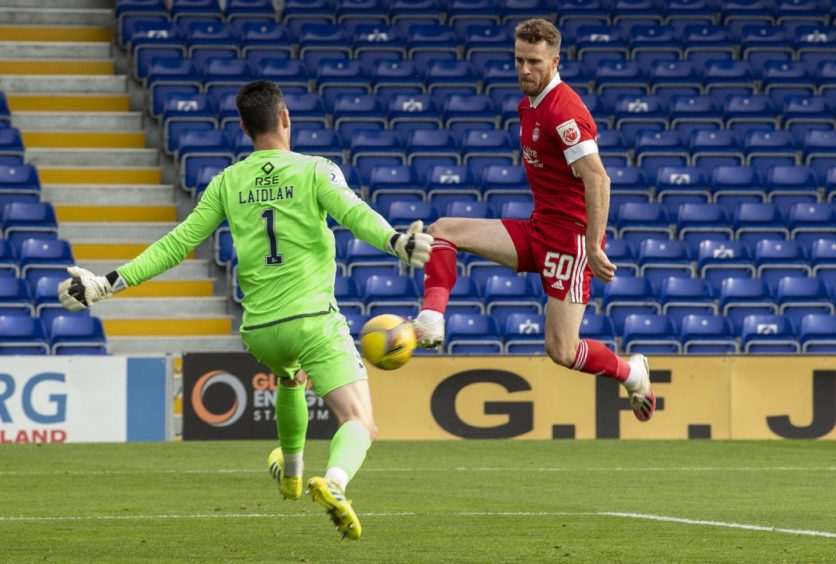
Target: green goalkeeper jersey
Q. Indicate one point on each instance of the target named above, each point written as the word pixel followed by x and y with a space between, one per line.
pixel 276 204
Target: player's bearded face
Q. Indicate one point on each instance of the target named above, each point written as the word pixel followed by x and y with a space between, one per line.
pixel 535 64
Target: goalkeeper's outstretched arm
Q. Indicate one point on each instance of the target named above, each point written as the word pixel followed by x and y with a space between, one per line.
pixel 334 195
pixel 85 288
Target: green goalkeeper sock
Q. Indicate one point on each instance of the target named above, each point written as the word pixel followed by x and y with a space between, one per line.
pixel 292 425
pixel 348 450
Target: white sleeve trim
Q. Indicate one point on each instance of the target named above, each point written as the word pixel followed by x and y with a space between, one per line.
pixel 582 149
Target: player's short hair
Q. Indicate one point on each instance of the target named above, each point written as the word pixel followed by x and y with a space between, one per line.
pixel 259 103
pixel 536 30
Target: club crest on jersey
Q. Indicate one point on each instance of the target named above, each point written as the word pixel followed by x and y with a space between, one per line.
pixel 569 132
pixel 535 135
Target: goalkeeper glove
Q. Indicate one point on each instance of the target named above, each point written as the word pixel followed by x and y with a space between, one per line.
pixel 85 288
pixel 414 246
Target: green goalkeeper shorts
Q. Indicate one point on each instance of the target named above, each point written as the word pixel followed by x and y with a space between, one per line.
pixel 321 345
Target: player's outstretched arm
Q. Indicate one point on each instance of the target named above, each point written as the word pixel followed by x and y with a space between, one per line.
pixel 85 288
pixel 334 195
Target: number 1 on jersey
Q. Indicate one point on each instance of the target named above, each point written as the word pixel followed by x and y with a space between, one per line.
pixel 274 258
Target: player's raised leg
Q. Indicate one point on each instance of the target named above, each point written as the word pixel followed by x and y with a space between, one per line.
pixel 352 406
pixel 487 238
pixel 286 463
pixel 563 345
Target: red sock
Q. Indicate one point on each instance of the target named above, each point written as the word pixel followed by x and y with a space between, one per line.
pixel 440 275
pixel 594 357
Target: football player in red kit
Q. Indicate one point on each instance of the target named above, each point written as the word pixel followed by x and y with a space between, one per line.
pixel 563 240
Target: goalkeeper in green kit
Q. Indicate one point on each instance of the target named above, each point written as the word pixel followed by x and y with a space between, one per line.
pixel 276 203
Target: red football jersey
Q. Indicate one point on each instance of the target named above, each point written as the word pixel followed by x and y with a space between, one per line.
pixel 556 129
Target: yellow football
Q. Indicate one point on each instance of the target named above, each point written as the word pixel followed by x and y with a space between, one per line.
pixel 387 341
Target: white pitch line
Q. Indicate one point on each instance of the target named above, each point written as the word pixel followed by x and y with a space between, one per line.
pixel 719 524
pixel 151 471
pixel 644 516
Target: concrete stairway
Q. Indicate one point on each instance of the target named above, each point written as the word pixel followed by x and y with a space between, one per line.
pixel 74 112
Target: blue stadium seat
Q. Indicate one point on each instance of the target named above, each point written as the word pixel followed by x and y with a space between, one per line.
pixel 211 34
pixel 430 38
pixel 288 72
pixel 726 75
pixel 470 209
pixel 427 148
pixel 334 72
pixel 676 186
pixel 700 110
pixel 465 297
pixel 798 297
pixel 327 37
pixel 472 10
pixel 621 253
pixel 448 184
pixel 22 335
pixel 219 72
pixel 444 72
pixel 639 111
pixel 713 148
pixel 819 148
pixel 732 185
pixel 347 295
pixel 365 108
pixel 524 334
pixel 322 142
pixel 637 221
pixel 782 78
pixel 481 270
pixel 809 222
pixel 769 334
pixel 753 221
pixel 816 334
pixel 719 260
pixel 662 258
pixel 8 260
pixel 391 294
pixel 626 295
pixel 26 219
pixel 15 297
pixel 38 253
pixel 684 296
pixel 740 297
pixel 18 182
pixel 405 108
pixel 599 327
pixel 11 143
pixel 788 185
pixel 375 143
pixel 696 222
pixel 402 213
pixel 516 210
pixel 707 334
pixel 659 148
pixel 472 334
pixel 649 333
pixel 391 183
pixel 776 259
pixel 77 334
pixel 374 38
pixel 769 148
pixel 614 73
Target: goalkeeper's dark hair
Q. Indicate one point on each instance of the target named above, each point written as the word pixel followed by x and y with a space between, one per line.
pixel 259 103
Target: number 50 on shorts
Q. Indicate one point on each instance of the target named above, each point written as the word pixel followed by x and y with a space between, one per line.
pixel 558 266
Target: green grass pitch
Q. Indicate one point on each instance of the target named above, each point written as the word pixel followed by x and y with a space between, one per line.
pixel 460 501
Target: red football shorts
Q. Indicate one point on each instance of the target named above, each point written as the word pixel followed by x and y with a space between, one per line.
pixel 558 254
